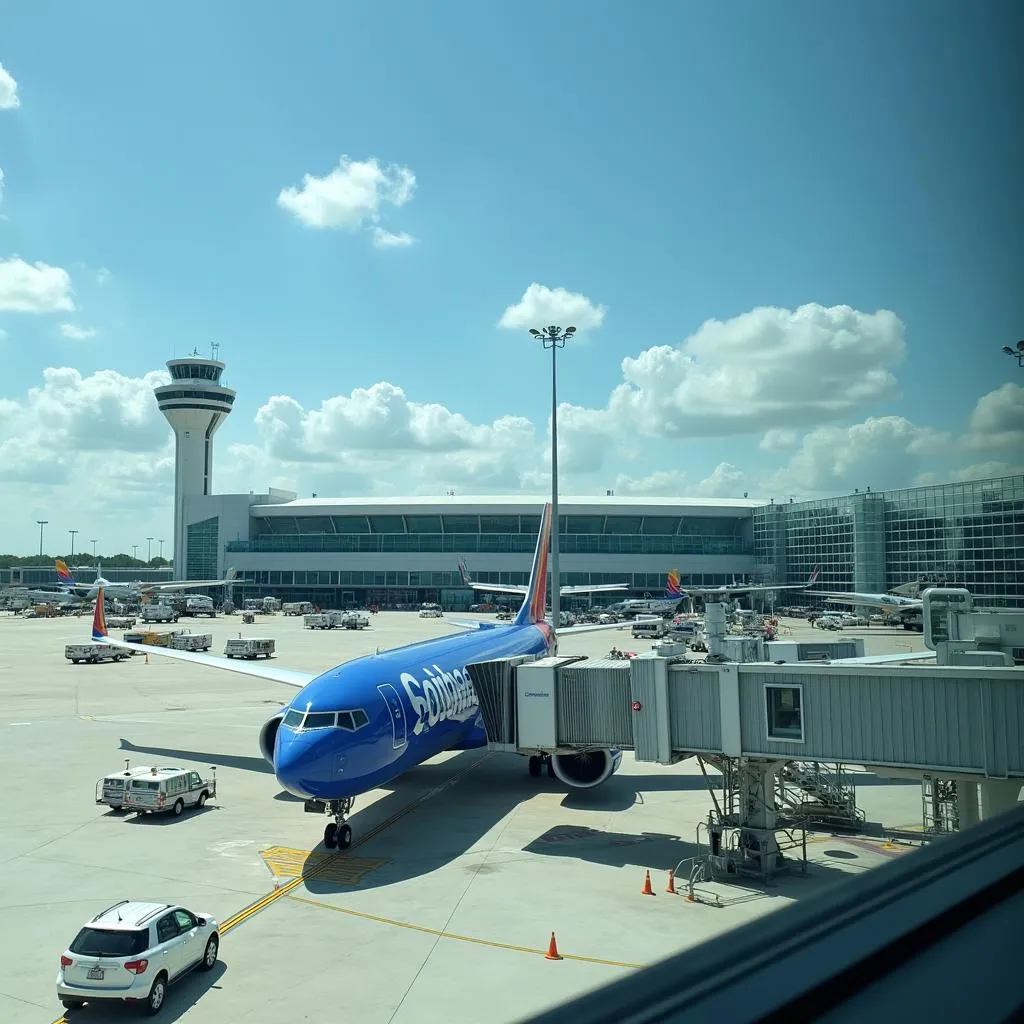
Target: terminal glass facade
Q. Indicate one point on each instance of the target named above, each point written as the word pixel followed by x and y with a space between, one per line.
pixel 201 558
pixel 967 534
pixel 512 534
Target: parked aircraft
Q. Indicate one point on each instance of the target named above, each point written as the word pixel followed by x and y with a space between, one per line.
pixel 360 724
pixel 136 591
pixel 675 593
pixel 505 588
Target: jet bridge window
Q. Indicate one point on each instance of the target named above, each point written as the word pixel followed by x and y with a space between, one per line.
pixel 784 707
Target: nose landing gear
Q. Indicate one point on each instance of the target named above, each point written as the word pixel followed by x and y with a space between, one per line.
pixel 338 834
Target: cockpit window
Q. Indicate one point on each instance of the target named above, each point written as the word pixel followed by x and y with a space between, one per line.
pixel 319 720
pixel 350 721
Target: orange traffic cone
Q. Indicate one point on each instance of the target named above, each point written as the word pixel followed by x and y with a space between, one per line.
pixel 552 953
pixel 647 890
pixel 671 882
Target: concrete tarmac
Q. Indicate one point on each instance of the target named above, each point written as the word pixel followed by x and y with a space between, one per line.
pixel 443 908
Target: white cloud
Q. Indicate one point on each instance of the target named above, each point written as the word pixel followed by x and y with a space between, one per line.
pixel 76 333
pixel 664 483
pixel 882 452
pixel 350 196
pixel 389 240
pixel 1 184
pixel 541 306
pixel 103 276
pixel 726 481
pixel 766 370
pixel 96 443
pixel 779 441
pixel 33 288
pixel 997 421
pixel 8 90
pixel 987 470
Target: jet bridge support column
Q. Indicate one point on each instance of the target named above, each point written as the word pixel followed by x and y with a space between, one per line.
pixel 967 804
pixel 997 796
pixel 715 629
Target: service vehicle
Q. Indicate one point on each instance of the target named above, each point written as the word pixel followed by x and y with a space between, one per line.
pixel 168 789
pixel 317 620
pixel 649 629
pixel 249 647
pixel 111 788
pixel 132 951
pixel 120 622
pixel 93 653
pixel 151 638
pixel 188 641
pixel 297 608
pixel 431 611
pixel 156 612
pixel 354 620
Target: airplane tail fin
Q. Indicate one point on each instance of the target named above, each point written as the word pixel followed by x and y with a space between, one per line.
pixel 672 588
pixel 99 620
pixel 64 576
pixel 535 600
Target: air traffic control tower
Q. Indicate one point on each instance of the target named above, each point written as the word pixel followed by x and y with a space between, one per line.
pixel 195 405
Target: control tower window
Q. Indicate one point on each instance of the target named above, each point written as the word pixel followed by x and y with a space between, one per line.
pixel 784 706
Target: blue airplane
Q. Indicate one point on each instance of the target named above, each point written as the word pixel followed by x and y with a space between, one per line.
pixel 359 725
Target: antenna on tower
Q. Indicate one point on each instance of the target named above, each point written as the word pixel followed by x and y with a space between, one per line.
pixel 214 349
pixel 195 353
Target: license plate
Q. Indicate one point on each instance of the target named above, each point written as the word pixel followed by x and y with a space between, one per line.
pixel 96 974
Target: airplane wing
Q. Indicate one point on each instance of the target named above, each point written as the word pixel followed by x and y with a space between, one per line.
pixel 870 601
pixel 472 623
pixel 262 670
pixel 593 627
pixel 600 588
pixel 496 588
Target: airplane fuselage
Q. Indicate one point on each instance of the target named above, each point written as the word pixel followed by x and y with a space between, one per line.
pixel 418 701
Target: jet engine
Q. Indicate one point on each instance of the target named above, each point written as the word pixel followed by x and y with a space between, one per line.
pixel 586 769
pixel 268 734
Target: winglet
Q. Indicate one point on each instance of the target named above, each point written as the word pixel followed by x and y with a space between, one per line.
pixel 535 600
pixel 99 620
pixel 464 574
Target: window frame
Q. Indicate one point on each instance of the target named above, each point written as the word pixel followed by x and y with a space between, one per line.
pixel 799 687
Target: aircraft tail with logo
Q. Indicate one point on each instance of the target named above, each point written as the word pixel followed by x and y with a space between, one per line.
pixel 99 619
pixel 672 584
pixel 535 601
pixel 65 578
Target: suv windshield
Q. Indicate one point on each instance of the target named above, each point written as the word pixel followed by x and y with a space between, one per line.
pixel 100 942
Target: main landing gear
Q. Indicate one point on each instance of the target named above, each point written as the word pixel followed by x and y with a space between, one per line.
pixel 537 763
pixel 338 835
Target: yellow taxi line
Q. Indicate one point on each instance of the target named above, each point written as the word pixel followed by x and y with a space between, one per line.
pixel 271 897
pixel 460 938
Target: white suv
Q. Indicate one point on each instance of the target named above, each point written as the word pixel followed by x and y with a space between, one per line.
pixel 133 951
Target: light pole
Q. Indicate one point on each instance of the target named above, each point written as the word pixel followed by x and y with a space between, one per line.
pixel 93 542
pixel 149 550
pixel 554 338
pixel 72 555
pixel 135 551
pixel 1017 353
pixel 161 543
pixel 41 523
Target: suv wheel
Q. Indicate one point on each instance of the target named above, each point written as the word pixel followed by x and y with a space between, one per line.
pixel 155 1000
pixel 179 806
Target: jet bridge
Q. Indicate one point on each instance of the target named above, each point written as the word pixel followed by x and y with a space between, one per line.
pixel 772 728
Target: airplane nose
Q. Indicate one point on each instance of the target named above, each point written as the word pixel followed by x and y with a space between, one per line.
pixel 306 764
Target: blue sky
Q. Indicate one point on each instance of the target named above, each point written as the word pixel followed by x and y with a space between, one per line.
pixel 672 163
